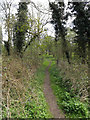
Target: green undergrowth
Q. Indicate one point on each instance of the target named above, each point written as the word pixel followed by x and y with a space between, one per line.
pixel 36 106
pixel 71 106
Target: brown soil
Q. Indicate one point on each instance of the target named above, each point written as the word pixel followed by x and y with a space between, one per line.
pixel 50 98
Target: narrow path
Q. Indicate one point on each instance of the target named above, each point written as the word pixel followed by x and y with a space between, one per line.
pixel 50 98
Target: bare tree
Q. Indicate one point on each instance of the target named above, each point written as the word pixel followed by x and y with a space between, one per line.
pixel 6 9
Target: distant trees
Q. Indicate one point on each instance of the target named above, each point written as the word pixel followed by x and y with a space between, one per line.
pixel 59 21
pixel 25 28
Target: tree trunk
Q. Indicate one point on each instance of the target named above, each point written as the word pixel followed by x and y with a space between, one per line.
pixel 9 42
pixel 67 56
pixel 89 67
pixel 65 47
pixel 9 37
pixel 57 61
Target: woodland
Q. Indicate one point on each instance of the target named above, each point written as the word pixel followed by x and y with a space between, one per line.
pixel 45 74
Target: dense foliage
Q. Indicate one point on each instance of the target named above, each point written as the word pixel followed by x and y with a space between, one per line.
pixel 21 27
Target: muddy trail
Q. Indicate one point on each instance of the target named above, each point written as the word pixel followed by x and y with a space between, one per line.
pixel 50 98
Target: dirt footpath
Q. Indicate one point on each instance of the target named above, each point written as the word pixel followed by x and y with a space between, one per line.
pixel 50 98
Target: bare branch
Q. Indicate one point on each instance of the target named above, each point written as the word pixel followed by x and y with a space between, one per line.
pixel 48 11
